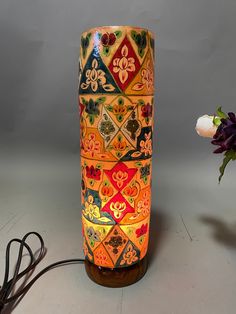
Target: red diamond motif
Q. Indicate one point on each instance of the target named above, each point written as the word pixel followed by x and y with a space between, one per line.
pixel 124 64
pixel 118 207
pixel 120 175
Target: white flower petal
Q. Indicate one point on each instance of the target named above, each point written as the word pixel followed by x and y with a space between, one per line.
pixel 205 126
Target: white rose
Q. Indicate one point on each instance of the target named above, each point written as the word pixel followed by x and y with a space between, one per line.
pixel 205 126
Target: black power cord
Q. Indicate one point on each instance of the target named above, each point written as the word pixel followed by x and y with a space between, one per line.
pixel 7 290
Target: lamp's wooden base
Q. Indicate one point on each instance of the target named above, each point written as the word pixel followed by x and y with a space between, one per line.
pixel 116 277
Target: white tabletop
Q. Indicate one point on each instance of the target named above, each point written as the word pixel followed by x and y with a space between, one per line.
pixel 193 237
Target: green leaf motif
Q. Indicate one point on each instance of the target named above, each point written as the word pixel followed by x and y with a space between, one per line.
pixel 133 35
pixel 141 52
pixel 118 34
pixel 91 119
pixel 104 219
pixel 84 102
pixel 230 155
pixel 85 43
pixel 141 102
pixel 221 114
pixel 216 121
pixel 100 100
pixel 106 51
pixel 109 108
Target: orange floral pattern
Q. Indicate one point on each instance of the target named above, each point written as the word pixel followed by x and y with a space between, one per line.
pixel 116 104
pixel 130 256
pixel 91 145
pixel 124 65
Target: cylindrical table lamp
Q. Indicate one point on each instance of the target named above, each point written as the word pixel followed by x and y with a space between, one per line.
pixel 116 87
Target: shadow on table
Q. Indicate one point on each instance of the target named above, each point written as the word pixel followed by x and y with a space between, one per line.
pixel 223 232
pixel 157 228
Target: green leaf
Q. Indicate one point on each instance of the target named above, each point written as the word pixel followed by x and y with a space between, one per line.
pixel 216 121
pixel 104 219
pixel 91 119
pixel 133 34
pixel 145 179
pixel 110 108
pixel 121 101
pixel 141 102
pixel 106 51
pixel 84 102
pixel 141 52
pixel 119 118
pixel 220 113
pixel 138 164
pixel 230 155
pixel 118 34
pixel 100 100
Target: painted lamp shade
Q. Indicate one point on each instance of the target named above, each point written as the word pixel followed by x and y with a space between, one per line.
pixel 116 87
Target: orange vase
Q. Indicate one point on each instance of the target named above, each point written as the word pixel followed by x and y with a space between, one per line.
pixel 116 87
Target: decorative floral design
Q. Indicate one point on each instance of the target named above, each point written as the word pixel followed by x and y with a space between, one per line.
pixel 93 235
pixel 120 109
pixel 147 111
pixel 119 177
pixel 92 107
pixel 131 191
pixel 108 40
pixel 142 230
pixel 146 146
pixel 91 145
pixel 117 208
pixel 85 43
pixel 115 242
pixel 101 258
pixel 107 190
pixel 116 135
pixel 93 173
pixel 143 206
pixel 96 77
pixel 119 145
pixel 130 256
pixel 124 65
pixel 91 209
pixel 145 171
pixel 147 78
pixel 132 126
pixel 140 40
pixel 107 127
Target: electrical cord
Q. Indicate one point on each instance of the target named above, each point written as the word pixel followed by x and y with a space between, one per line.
pixel 7 290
